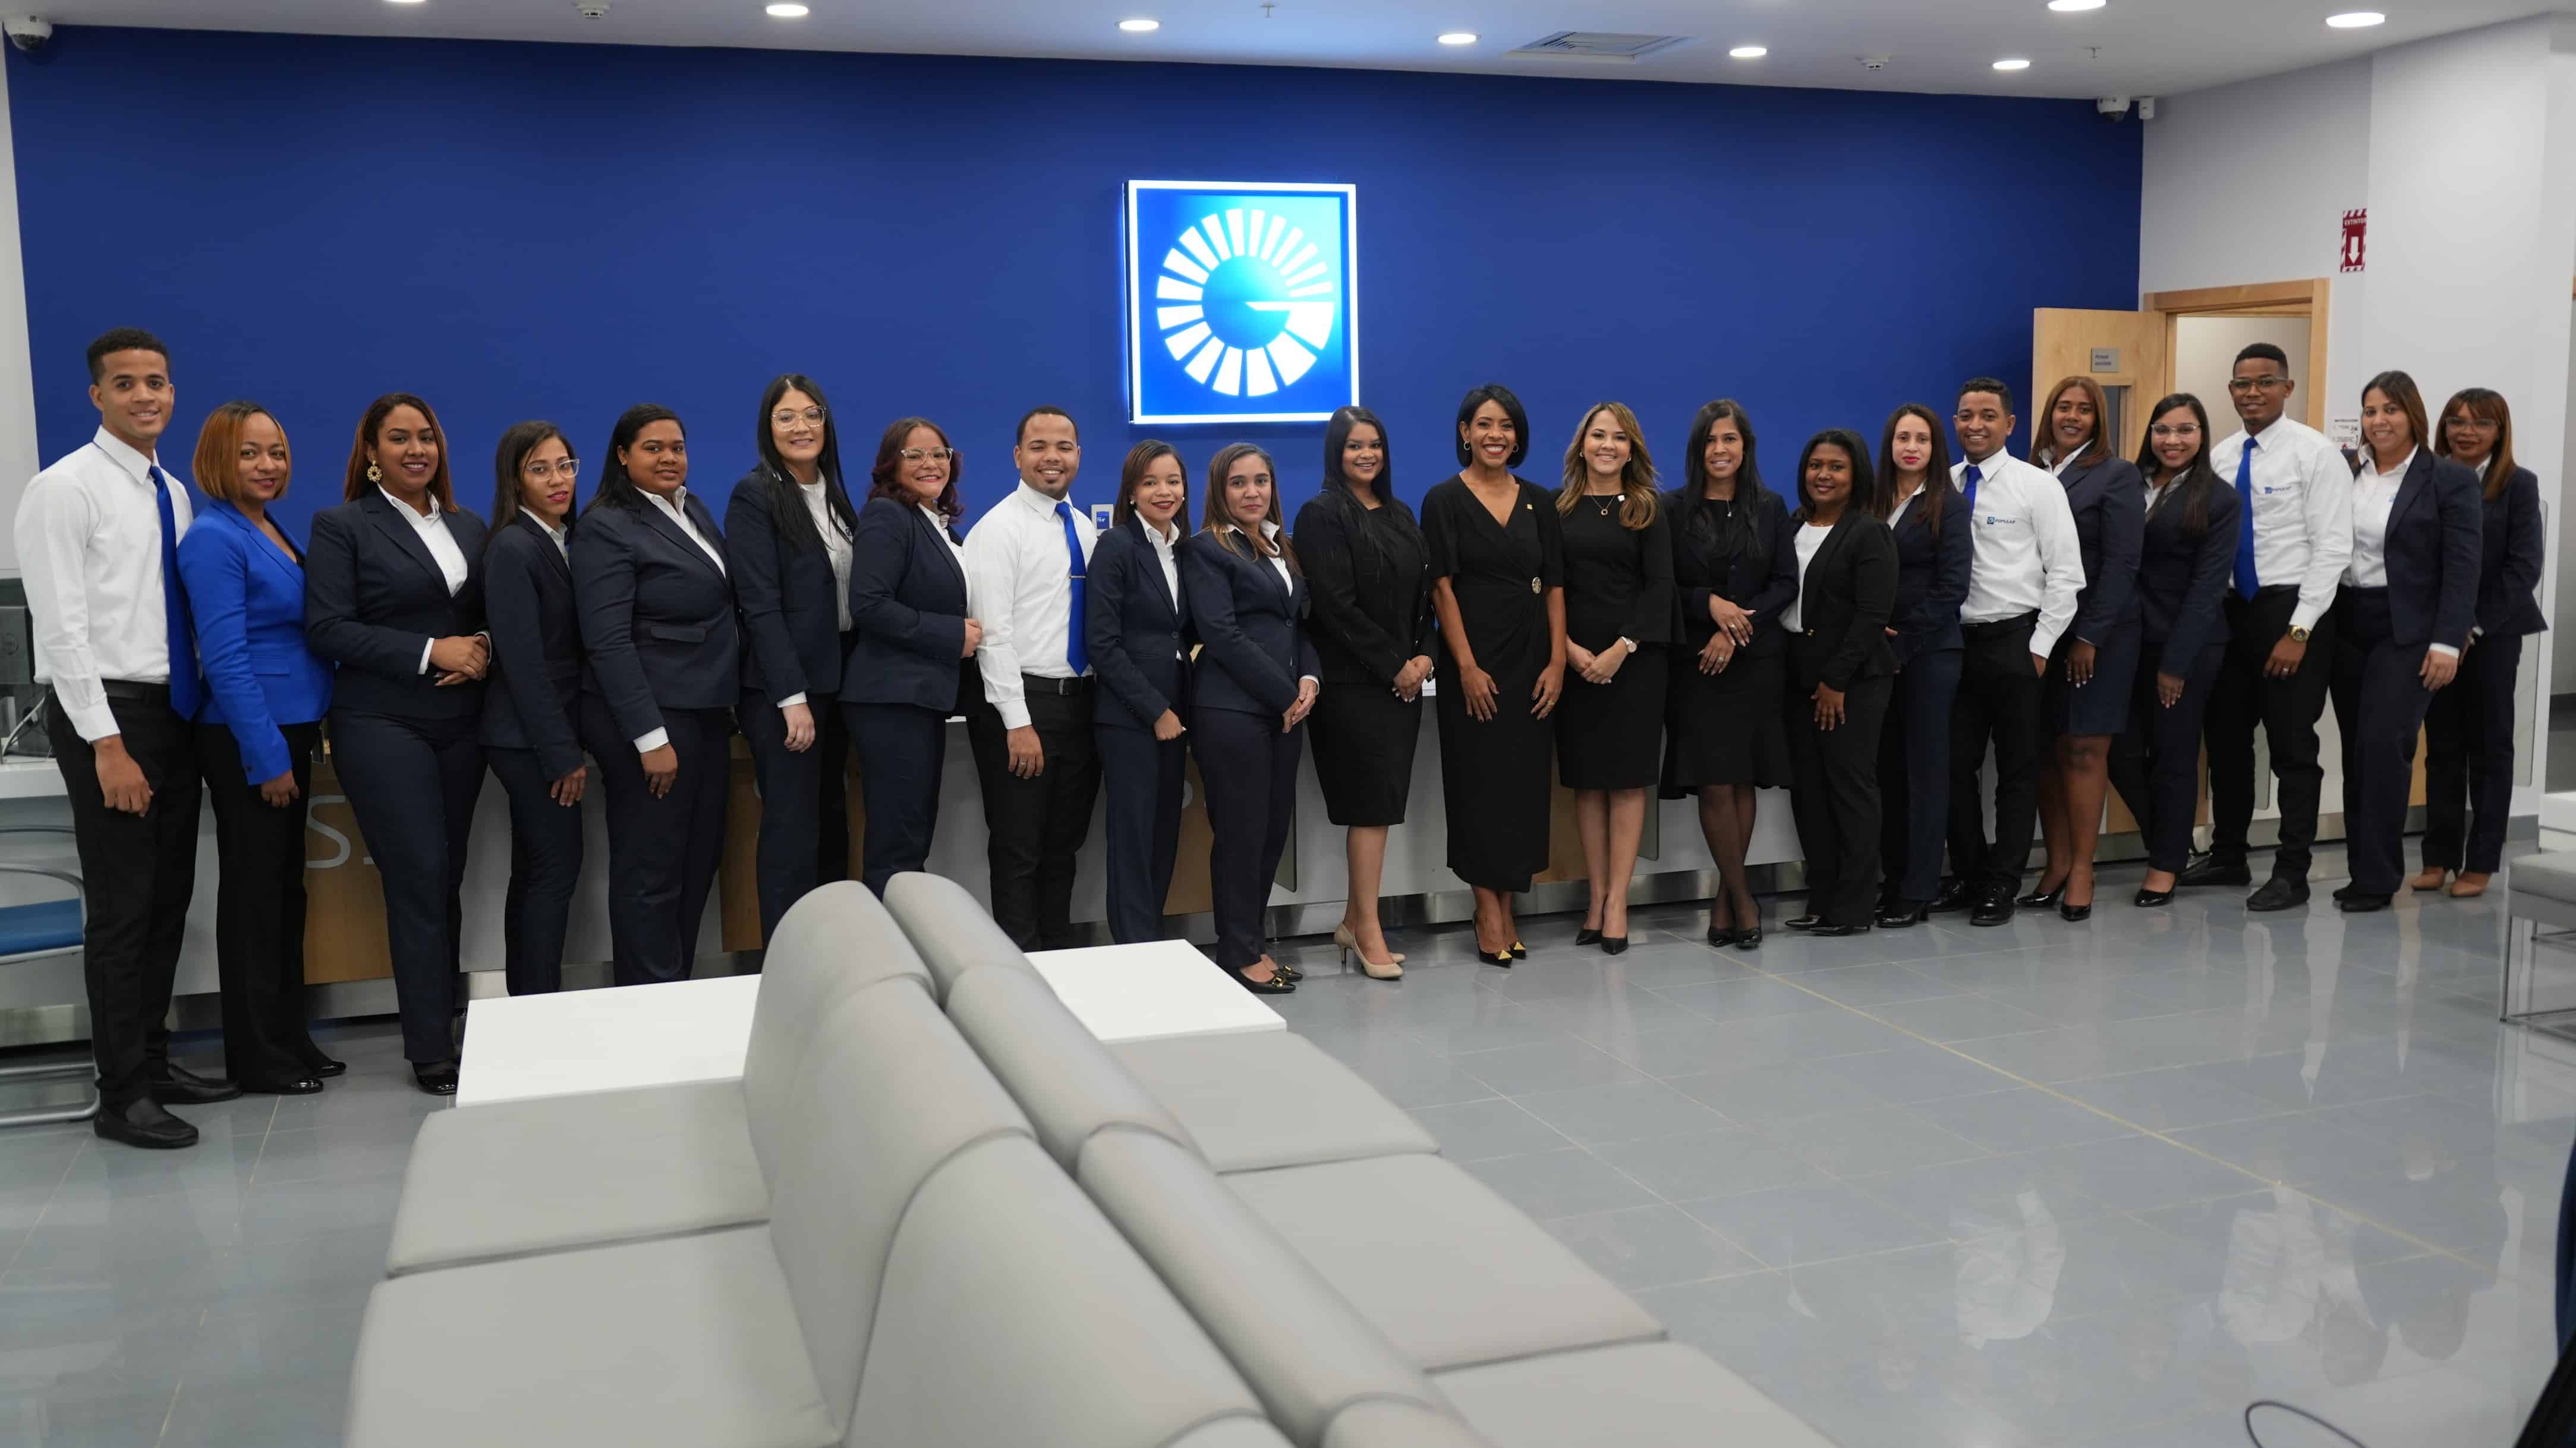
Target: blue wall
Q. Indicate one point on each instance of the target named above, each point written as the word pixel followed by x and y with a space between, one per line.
pixel 560 230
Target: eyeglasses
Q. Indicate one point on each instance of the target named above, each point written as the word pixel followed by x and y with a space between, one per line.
pixel 2473 424
pixel 916 454
pixel 543 472
pixel 2256 384
pixel 789 417
pixel 2164 431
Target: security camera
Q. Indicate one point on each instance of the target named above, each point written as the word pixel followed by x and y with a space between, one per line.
pixel 28 32
pixel 591 9
pixel 2114 108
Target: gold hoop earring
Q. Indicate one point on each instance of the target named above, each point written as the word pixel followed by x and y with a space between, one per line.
pixel 374 474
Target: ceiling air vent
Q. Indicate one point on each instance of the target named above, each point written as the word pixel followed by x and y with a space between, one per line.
pixel 1607 45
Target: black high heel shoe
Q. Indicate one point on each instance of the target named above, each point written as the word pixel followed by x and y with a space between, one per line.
pixel 1276 985
pixel 2073 913
pixel 1502 958
pixel 2149 899
pixel 1749 938
pixel 1900 916
pixel 1587 936
pixel 1723 935
pixel 1614 945
pixel 2042 899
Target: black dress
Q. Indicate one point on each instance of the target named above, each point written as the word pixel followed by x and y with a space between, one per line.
pixel 1618 584
pixel 1371 584
pixel 1726 728
pixel 1494 772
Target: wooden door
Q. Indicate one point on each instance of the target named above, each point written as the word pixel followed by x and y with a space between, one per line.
pixel 2123 351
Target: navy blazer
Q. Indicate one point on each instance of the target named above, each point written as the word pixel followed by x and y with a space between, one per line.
pixel 2436 538
pixel 1254 647
pixel 907 613
pixel 1751 579
pixel 1931 577
pixel 1136 629
pixel 2108 499
pixel 534 697
pixel 656 614
pixel 374 597
pixel 1845 603
pixel 248 602
pixel 2510 574
pixel 791 611
pixel 2183 581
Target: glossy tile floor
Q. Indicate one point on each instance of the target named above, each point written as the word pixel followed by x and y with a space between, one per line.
pixel 2037 1185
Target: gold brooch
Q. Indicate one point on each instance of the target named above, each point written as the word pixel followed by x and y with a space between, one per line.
pixel 1534 588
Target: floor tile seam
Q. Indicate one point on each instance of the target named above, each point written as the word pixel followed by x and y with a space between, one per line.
pixel 2165 1137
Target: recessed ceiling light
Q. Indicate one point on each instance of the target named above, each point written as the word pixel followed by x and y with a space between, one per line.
pixel 788 10
pixel 2356 19
pixel 2012 65
pixel 402 2
pixel 1749 52
pixel 1459 37
pixel 1139 25
pixel 2066 6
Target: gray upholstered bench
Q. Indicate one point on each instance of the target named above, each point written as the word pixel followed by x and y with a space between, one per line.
pixel 2539 909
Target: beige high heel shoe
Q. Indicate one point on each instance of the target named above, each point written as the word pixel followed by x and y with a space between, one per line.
pixel 1343 937
pixel 2429 879
pixel 1374 970
pixel 2470 885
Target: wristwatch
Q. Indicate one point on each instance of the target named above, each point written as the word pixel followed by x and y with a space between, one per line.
pixel 1631 643
pixel 2298 635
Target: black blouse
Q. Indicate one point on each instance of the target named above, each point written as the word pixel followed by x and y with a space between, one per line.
pixel 1370 573
pixel 1618 580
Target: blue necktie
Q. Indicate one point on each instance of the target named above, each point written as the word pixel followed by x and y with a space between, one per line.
pixel 187 687
pixel 1974 476
pixel 2246 582
pixel 1077 641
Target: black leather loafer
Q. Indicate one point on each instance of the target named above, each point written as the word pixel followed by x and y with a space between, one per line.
pixel 1826 932
pixel 1956 896
pixel 290 1086
pixel 2278 893
pixel 2357 903
pixel 1803 922
pixel 2211 870
pixel 1902 915
pixel 438 1078
pixel 1995 909
pixel 179 1086
pixel 143 1123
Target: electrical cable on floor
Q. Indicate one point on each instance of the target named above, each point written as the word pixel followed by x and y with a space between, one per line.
pixel 2301 1412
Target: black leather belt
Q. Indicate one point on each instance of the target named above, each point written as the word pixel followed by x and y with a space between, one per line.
pixel 1033 684
pixel 2019 620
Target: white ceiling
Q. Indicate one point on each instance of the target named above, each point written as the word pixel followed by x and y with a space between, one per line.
pixel 2136 47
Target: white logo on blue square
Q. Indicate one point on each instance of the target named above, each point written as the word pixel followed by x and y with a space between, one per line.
pixel 1241 302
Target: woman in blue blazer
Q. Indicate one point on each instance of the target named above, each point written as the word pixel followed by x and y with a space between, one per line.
pixel 1256 682
pixel 912 644
pixel 531 702
pixel 1138 620
pixel 664 668
pixel 2408 602
pixel 2468 732
pixel 393 594
pixel 1934 547
pixel 787 536
pixel 265 697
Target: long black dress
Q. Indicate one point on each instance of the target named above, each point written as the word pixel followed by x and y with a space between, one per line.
pixel 1726 727
pixel 1618 584
pixel 1372 593
pixel 1494 772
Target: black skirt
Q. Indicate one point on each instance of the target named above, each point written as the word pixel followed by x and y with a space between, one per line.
pixel 1363 739
pixel 1610 736
pixel 1726 728
pixel 2102 706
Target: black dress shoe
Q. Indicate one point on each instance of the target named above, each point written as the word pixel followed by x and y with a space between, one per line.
pixel 2212 870
pixel 284 1086
pixel 438 1078
pixel 2042 899
pixel 2073 914
pixel 1836 931
pixel 1956 896
pixel 323 1066
pixel 2342 891
pixel 143 1123
pixel 1614 945
pixel 2357 903
pixel 2278 893
pixel 1503 958
pixel 1995 909
pixel 1804 922
pixel 2150 899
pixel 1750 939
pixel 1902 915
pixel 1723 935
pixel 179 1086
pixel 1286 972
pixel 1587 936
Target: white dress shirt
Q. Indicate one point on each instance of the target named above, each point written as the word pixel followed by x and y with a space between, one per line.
pixel 1810 537
pixel 2302 511
pixel 562 536
pixel 432 528
pixel 675 507
pixel 1167 551
pixel 89 545
pixel 2025 556
pixel 2374 497
pixel 836 547
pixel 939 525
pixel 1019 586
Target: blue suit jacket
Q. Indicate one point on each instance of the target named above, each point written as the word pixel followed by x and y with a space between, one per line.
pixel 907 614
pixel 533 697
pixel 1254 648
pixel 1137 630
pixel 656 614
pixel 374 595
pixel 1932 579
pixel 248 602
pixel 2506 605
pixel 2109 502
pixel 791 623
pixel 2436 533
pixel 2183 581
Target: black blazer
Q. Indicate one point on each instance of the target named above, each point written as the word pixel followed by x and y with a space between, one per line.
pixel 2109 502
pixel 787 596
pixel 2183 581
pixel 374 595
pixel 656 614
pixel 2436 539
pixel 1932 578
pixel 1254 649
pixel 1370 618
pixel 907 614
pixel 1843 609
pixel 2511 571
pixel 535 693
pixel 1753 580
pixel 1136 629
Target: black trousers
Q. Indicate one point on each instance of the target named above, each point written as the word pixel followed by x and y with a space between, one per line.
pixel 1836 798
pixel 545 867
pixel 137 874
pixel 804 803
pixel 1144 778
pixel 2288 709
pixel 2468 759
pixel 2379 700
pixel 1914 775
pixel 2155 765
pixel 412 784
pixel 259 909
pixel 1999 703
pixel 902 752
pixel 1249 769
pixel 662 853
pixel 1036 827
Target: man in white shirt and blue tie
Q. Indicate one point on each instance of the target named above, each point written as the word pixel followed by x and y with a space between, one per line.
pixel 2026 570
pixel 1027 563
pixel 98 540
pixel 2294 537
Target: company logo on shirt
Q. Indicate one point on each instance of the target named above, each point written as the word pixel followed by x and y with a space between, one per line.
pixel 1240 302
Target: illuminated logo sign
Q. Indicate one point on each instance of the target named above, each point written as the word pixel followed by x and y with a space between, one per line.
pixel 1241 302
